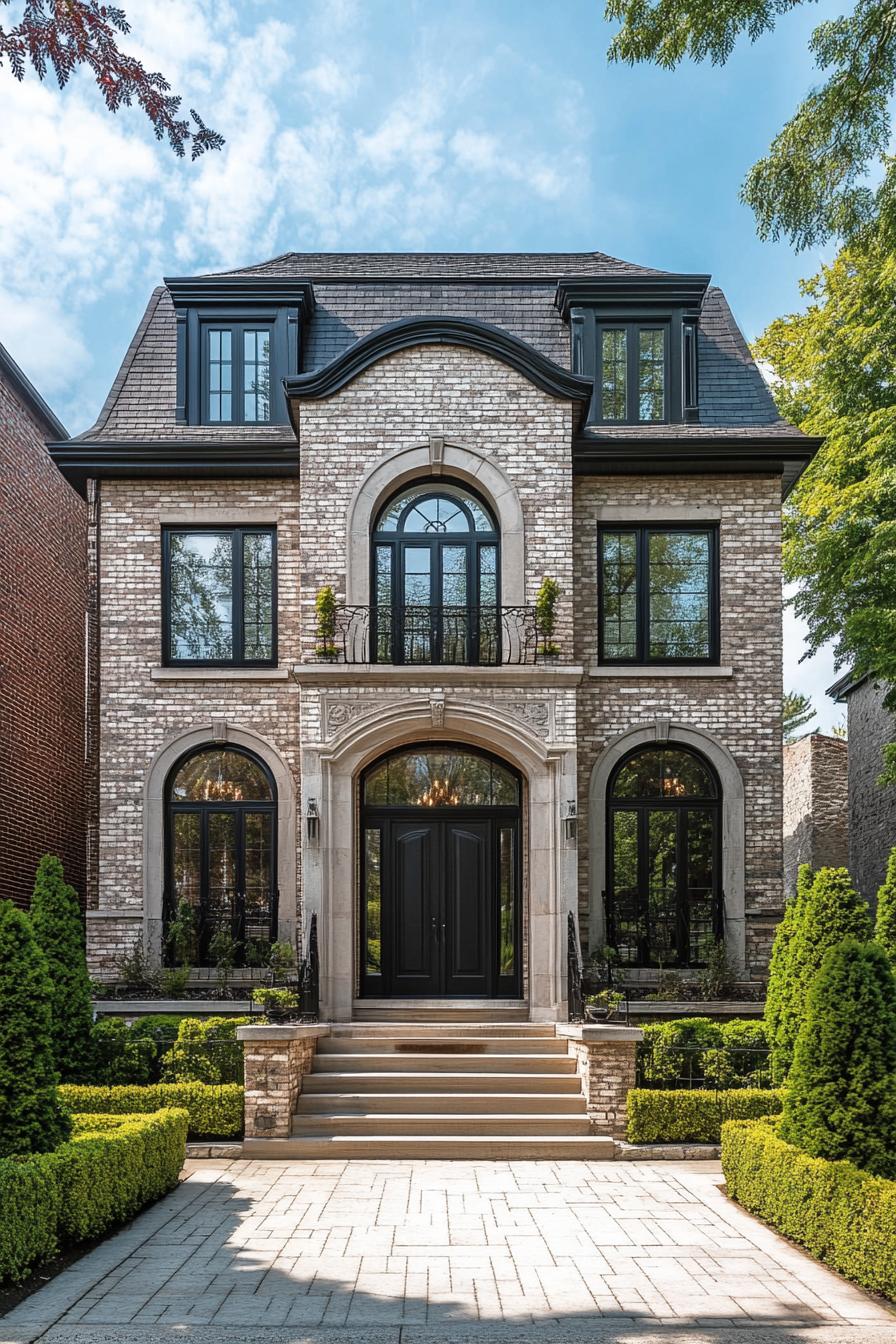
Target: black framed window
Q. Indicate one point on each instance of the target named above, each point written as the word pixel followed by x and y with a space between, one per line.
pixel 633 364
pixel 664 898
pixel 658 594
pixel 219 596
pixel 237 373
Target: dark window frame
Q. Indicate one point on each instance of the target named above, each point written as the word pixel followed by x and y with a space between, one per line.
pixel 237 532
pixel 237 331
pixel 680 806
pixel 643 533
pixel 633 329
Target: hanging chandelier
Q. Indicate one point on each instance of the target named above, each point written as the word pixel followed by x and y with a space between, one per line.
pixel 439 794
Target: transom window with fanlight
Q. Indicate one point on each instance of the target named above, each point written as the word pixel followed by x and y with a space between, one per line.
pixel 663 897
pixel 435 578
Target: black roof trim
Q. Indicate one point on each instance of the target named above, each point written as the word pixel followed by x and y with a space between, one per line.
pixel 439 330
pixel 845 685
pixel 80 462
pixel 187 291
pixel 787 457
pixel 678 291
pixel 28 393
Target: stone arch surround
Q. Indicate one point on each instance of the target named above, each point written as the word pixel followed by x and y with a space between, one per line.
pixel 214 735
pixel 330 865
pixel 434 459
pixel 733 833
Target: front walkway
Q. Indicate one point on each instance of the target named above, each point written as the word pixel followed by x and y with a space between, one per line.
pixel 407 1252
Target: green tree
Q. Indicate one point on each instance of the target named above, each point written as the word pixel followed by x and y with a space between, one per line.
pixel 841 1094
pixel 885 923
pixel 59 931
pixel 779 962
pixel 829 910
pixel 32 1119
pixel 798 712
pixel 812 185
pixel 834 367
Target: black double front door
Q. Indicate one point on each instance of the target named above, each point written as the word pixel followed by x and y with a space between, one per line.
pixel 442 905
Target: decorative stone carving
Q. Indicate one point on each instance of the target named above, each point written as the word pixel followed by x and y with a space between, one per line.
pixel 663 728
pixel 536 714
pixel 219 730
pixel 337 713
pixel 437 710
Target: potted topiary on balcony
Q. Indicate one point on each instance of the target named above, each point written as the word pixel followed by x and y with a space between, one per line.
pixel 545 619
pixel 325 610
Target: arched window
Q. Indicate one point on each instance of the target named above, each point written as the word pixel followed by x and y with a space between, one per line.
pixel 434 579
pixel 220 897
pixel 664 904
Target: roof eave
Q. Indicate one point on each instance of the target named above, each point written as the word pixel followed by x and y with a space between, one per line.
pixel 29 394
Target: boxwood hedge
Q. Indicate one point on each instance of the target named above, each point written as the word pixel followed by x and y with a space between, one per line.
pixel 696 1116
pixel 843 1215
pixel 216 1112
pixel 110 1168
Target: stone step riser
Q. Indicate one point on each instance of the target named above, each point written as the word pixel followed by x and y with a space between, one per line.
pixel 440 1044
pixel 466 1030
pixel 439 1082
pixel 554 1148
pixel 442 1103
pixel 412 1061
pixel 448 1126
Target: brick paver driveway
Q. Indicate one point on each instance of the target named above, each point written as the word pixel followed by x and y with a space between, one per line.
pixel 406 1252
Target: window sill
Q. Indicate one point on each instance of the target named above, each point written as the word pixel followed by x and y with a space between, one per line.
pixel 658 670
pixel 438 674
pixel 219 673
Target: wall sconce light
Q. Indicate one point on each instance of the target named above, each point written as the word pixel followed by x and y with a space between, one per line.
pixel 312 819
pixel 570 820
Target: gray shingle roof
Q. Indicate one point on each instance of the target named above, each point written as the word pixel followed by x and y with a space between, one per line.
pixel 358 292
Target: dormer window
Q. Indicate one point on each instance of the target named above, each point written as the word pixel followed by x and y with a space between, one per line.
pixel 633 373
pixel 238 375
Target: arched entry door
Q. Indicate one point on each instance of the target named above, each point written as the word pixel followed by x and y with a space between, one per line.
pixel 440 880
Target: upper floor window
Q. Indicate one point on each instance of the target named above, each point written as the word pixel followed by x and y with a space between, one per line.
pixel 219 596
pixel 632 373
pixel 658 594
pixel 237 375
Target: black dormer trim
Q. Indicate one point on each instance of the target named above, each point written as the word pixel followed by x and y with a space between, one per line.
pixel 229 289
pixel 630 291
pixel 439 330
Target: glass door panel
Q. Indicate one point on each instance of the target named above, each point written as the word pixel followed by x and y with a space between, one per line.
pixel 223 859
pixel 258 886
pixel 506 901
pixel 417 613
pixel 383 601
pixel 628 930
pixel 662 884
pixel 186 874
pixel 489 633
pixel 373 893
pixel 455 614
pixel 700 888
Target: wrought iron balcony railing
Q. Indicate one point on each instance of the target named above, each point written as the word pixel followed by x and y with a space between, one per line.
pixel 483 636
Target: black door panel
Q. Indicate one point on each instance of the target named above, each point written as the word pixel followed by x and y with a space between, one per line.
pixel 415 909
pixel 468 901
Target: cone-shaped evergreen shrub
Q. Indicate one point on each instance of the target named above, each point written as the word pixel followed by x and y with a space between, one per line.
pixel 829 911
pixel 840 1101
pixel 32 1120
pixel 59 930
pixel 779 964
pixel 885 925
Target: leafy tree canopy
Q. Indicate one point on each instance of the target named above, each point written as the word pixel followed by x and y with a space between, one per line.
pixel 798 712
pixel 66 34
pixel 835 372
pixel 812 185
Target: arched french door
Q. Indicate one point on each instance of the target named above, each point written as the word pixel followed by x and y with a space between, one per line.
pixel 220 858
pixel 440 877
pixel 664 897
pixel 434 579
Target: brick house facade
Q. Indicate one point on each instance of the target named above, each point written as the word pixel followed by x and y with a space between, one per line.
pixel 42 766
pixel 871 808
pixel 431 771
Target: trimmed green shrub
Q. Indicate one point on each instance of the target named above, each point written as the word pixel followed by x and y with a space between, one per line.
pixel 779 962
pixel 215 1112
pixel 695 1115
pixel 32 1120
pixel 206 1051
pixel 841 1092
pixel 844 1216
pixel 829 911
pixel 743 1058
pixel 885 923
pixel 120 1056
pixel 111 1168
pixel 29 1208
pixel 674 1049
pixel 59 929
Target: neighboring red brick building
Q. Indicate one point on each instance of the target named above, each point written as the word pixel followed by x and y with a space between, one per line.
pixel 43 578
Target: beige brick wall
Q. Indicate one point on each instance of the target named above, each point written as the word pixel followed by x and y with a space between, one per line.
pixel 743 712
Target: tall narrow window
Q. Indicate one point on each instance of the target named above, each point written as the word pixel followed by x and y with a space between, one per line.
pixel 651 374
pixel 219 596
pixel 658 595
pixel 256 376
pixel 237 375
pixel 220 375
pixel 613 373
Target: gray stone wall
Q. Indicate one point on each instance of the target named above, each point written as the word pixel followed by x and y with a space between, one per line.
pixel 815 805
pixel 872 810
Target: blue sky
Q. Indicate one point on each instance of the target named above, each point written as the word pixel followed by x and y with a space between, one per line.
pixel 383 124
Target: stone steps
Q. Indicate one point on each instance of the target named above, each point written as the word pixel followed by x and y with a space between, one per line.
pixel 439 1011
pixel 454 1147
pixel 507 1122
pixel 547 1102
pixel 419 1060
pixel 439 1082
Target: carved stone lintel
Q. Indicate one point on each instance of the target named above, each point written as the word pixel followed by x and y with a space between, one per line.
pixel 437 710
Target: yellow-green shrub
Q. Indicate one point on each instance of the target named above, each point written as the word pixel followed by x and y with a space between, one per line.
pixel 215 1112
pixel 840 1214
pixel 111 1167
pixel 693 1116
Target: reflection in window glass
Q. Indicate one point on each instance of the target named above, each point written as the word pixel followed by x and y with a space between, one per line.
pixel 258 592
pixel 660 772
pixel 700 892
pixel 256 376
pixel 383 581
pixel 186 870
pixel 507 886
pixel 222 871
pixel 662 886
pixel 651 375
pixel 619 560
pixel 220 775
pixel 627 931
pixel 613 373
pixel 374 897
pixel 220 375
pixel 440 779
pixel 200 599
pixel 258 828
pixel 679 594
